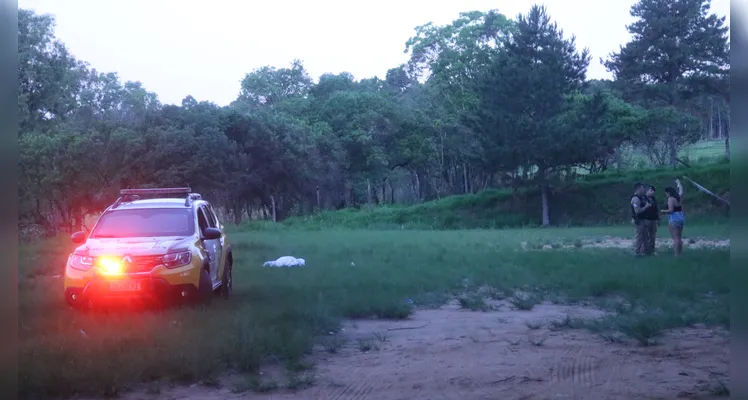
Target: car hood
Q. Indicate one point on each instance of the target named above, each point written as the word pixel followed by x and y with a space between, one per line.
pixel 133 246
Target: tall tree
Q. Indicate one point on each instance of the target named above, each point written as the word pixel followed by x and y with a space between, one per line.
pixel 678 51
pixel 523 94
pixel 452 56
pixel 48 76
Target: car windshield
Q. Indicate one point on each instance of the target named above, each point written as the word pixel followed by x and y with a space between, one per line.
pixel 151 222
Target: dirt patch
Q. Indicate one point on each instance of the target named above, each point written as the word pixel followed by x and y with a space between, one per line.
pixel 451 353
pixel 625 243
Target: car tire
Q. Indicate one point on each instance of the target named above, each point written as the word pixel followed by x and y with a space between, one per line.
pixel 205 288
pixel 227 282
pixel 79 306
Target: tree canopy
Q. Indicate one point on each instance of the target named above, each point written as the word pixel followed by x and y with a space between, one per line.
pixel 483 102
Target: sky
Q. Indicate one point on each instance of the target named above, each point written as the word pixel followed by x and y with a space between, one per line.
pixel 204 48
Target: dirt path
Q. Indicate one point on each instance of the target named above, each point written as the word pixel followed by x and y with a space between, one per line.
pixel 456 354
pixel 627 243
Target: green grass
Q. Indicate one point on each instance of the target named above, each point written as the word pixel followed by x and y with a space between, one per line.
pixel 277 315
pixel 703 152
pixel 699 153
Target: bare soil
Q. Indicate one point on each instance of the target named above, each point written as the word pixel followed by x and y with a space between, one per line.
pixel 451 353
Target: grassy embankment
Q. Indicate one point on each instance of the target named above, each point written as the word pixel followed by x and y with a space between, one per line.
pixel 594 200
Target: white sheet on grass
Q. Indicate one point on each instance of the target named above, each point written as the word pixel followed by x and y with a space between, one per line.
pixel 286 261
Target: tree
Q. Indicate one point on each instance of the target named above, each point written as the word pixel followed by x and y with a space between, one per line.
pixel 270 85
pixel 523 94
pixel 450 57
pixel 49 77
pixel 482 102
pixel 664 130
pixel 678 51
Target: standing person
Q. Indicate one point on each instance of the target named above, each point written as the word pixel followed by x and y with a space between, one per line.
pixel 640 205
pixel 676 218
pixel 652 218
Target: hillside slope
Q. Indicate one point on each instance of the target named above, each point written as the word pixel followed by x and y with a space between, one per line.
pixel 600 199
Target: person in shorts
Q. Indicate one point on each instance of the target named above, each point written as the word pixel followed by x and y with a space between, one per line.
pixel 676 218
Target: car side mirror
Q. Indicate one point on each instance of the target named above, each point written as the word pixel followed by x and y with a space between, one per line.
pixel 78 237
pixel 212 233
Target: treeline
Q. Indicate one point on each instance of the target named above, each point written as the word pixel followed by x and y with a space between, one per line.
pixel 484 102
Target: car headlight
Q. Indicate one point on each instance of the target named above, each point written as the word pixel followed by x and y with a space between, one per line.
pixel 83 263
pixel 174 260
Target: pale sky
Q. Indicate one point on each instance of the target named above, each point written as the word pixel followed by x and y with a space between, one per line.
pixel 204 48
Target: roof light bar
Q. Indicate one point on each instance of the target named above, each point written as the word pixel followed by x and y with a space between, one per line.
pixel 178 190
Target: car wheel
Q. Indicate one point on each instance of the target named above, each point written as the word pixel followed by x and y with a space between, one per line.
pixel 82 305
pixel 205 290
pixel 227 283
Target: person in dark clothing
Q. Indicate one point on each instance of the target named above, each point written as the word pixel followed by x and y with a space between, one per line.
pixel 652 218
pixel 640 205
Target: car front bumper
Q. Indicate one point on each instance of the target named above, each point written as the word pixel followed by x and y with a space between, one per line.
pixel 152 289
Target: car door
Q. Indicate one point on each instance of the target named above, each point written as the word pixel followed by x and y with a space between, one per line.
pixel 210 246
pixel 218 251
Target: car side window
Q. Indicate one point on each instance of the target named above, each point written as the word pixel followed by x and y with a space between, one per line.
pixel 213 215
pixel 202 221
pixel 210 218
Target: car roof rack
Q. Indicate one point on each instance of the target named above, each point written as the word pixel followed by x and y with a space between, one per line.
pixel 127 195
pixel 190 198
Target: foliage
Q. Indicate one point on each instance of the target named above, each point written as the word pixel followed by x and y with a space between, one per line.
pixel 678 55
pixel 593 200
pixel 484 102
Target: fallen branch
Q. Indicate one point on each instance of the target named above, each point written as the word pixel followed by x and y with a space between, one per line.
pixel 409 327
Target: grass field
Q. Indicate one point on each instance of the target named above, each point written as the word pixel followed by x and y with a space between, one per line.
pixel 277 315
pixel 702 152
pixel 699 153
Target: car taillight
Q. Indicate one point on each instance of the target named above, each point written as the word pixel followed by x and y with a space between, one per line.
pixel 174 260
pixel 83 263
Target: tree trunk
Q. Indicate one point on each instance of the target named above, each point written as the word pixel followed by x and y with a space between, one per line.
pixel 319 200
pixel 78 221
pixel 392 192
pixel 348 194
pixel 465 178
pixel 237 213
pixel 272 204
pixel 710 135
pixel 418 188
pixel 544 198
pixel 368 193
pixel 727 146
pixel 672 151
pixel 384 191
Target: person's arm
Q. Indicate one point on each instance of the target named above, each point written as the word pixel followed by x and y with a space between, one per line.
pixel 680 187
pixel 638 208
pixel 670 205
